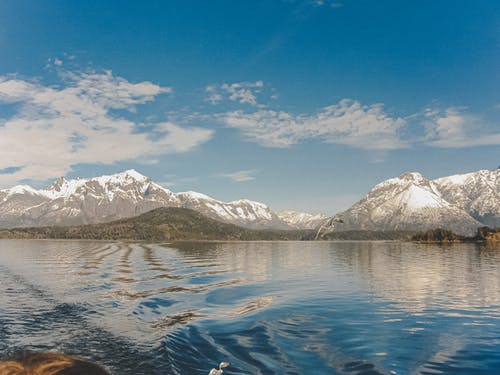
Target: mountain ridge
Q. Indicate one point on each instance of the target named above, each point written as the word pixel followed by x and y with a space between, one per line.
pixel 160 224
pixel 410 202
pixel 478 193
pixel 461 203
pixel 125 194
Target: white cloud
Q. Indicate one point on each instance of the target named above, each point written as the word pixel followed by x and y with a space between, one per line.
pixel 332 4
pixel 213 96
pixel 56 128
pixel 348 122
pixel 241 92
pixel 173 180
pixel 58 62
pixel 241 176
pixel 454 128
pixel 166 184
pixel 147 161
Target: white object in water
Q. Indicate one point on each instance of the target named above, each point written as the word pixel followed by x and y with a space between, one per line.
pixel 214 371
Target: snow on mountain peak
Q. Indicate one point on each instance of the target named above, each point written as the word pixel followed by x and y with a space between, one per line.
pixel 250 203
pixel 412 176
pixel 195 195
pixel 417 197
pixel 413 202
pixel 403 180
pixel 132 173
pixel 301 220
pixel 20 189
pixel 63 188
pixel 58 183
pixel 477 192
pixel 125 194
pixel 126 177
pixel 488 176
pixel 458 179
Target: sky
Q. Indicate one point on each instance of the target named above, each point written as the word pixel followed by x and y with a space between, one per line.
pixel 300 104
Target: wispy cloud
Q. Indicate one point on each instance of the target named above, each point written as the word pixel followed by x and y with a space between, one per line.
pixel 348 122
pixel 173 180
pixel 166 184
pixel 456 128
pixel 241 176
pixel 147 161
pixel 213 94
pixel 54 128
pixel 330 3
pixel 241 92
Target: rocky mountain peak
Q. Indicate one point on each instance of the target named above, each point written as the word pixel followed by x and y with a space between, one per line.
pixel 414 177
pixel 131 175
pixel 302 220
pixel 134 174
pixel 478 193
pixel 20 189
pixel 409 202
pixel 57 184
pixel 121 195
pixel 127 177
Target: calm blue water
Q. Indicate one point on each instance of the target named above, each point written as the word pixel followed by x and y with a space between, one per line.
pixel 268 308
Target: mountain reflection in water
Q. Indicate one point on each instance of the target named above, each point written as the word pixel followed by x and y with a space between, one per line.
pixel 266 307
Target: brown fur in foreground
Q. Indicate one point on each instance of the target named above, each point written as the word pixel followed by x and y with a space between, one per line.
pixel 48 364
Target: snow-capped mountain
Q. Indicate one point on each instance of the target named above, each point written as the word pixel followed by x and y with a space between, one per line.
pixel 126 194
pixel 301 220
pixel 478 193
pixel 408 202
pixel 241 212
pixel 83 201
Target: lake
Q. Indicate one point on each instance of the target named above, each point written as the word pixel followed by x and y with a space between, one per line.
pixel 265 307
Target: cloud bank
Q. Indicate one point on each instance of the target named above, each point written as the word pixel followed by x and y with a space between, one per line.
pixel 455 128
pixel 348 122
pixel 52 128
pixel 48 129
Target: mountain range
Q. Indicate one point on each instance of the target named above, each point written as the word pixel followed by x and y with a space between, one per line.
pixel 410 202
pixel 159 224
pixel 460 203
pixel 128 194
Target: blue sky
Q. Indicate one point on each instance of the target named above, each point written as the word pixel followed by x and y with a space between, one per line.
pixel 299 104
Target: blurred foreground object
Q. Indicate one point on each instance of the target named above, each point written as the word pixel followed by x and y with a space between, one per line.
pixel 29 363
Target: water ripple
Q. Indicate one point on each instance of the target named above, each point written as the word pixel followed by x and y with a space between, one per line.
pixel 268 308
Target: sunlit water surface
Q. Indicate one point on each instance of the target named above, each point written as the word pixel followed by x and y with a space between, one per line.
pixel 267 308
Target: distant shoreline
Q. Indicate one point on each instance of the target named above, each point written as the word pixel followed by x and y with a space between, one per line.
pixel 444 236
pixel 172 224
